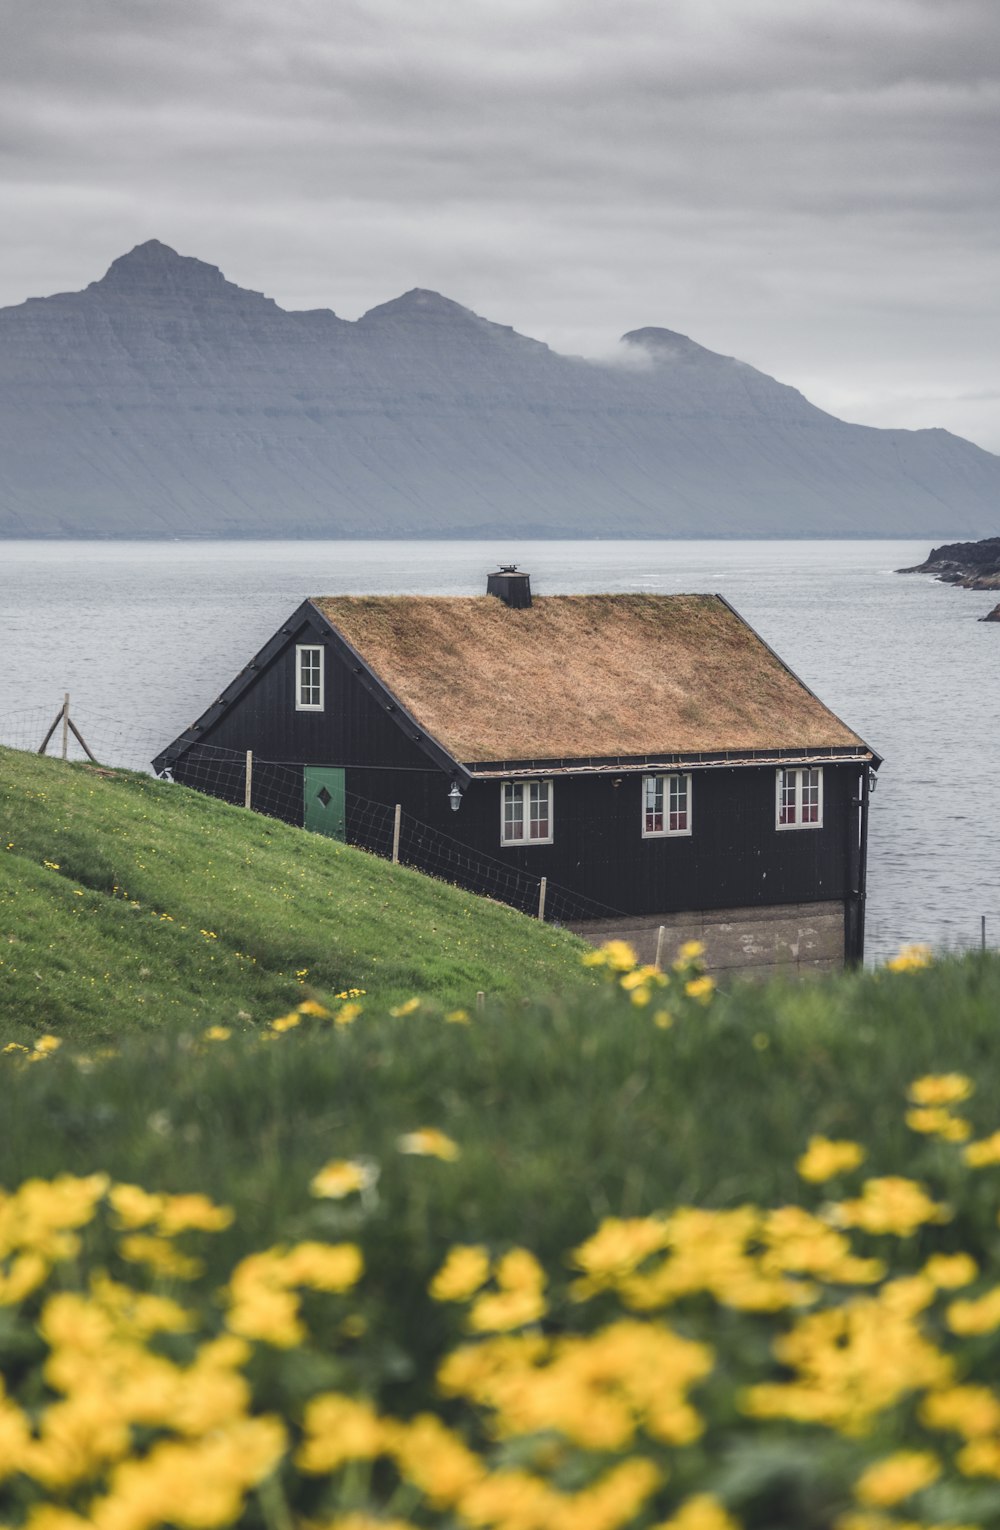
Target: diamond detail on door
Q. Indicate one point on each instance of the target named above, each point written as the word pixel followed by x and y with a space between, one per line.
pixel 324 796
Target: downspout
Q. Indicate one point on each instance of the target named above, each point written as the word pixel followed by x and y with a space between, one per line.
pixel 866 779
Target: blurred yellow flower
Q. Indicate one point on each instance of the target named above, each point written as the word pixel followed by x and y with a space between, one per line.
pixel 979 1155
pixel 700 988
pixel 910 958
pixel 825 1157
pixel 895 1477
pixel 312 1007
pixel 935 1121
pixel 217 1033
pixel 342 1177
pixel 458 1017
pixel 429 1142
pixel 405 1009
pixel 347 1013
pixel 466 1268
pixel 286 1022
pixel 940 1089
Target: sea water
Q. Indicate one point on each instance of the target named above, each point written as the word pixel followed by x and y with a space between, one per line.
pixel 144 635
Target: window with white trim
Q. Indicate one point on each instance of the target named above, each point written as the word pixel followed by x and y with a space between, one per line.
pixel 308 678
pixel 799 798
pixel 666 805
pixel 526 813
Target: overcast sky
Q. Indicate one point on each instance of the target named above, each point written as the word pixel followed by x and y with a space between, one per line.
pixel 810 185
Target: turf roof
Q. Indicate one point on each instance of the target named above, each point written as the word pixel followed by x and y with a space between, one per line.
pixel 584 675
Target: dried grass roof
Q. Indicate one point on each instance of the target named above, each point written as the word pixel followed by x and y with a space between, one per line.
pixel 584 675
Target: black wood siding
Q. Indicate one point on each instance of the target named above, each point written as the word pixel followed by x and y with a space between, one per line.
pixel 734 858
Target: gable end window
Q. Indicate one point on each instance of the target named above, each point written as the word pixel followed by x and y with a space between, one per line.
pixel 799 798
pixel 308 678
pixel 526 813
pixel 666 805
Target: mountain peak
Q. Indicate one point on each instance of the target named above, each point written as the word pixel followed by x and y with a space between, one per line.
pixel 423 305
pixel 153 267
pixel 668 345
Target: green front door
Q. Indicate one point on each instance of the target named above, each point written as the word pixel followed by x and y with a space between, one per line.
pixel 323 800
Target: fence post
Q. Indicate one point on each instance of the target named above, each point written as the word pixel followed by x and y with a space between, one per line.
pixel 480 1000
pixel 982 932
pixel 541 897
pixel 395 834
pixel 658 963
pixel 65 726
pixel 248 787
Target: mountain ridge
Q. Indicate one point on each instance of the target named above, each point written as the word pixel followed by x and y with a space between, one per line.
pixel 164 400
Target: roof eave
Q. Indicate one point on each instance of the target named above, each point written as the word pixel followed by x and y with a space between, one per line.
pixel 664 761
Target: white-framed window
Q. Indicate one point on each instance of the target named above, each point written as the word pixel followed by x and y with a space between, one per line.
pixel 666 805
pixel 308 677
pixel 799 797
pixel 526 813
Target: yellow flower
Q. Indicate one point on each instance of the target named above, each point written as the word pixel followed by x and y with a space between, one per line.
pixel 159 1255
pixel 429 1142
pixel 347 1013
pixel 466 1268
pixel 975 1315
pixel 701 988
pixel 890 1205
pixel 619 955
pixel 949 1271
pixel 338 1429
pixel 825 1157
pixel 940 1089
pixel 217 1033
pixel 971 1411
pixel 703 1512
pixel 662 1019
pixel 404 1009
pixel 911 958
pixel 286 1022
pixel 46 1044
pixel 935 1121
pixel 690 951
pixel 980 1155
pixel 342 1177
pixel 14 1046
pixel 311 1007
pixel 895 1477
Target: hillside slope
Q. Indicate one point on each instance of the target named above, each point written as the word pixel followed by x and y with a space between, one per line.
pixel 166 401
pixel 129 903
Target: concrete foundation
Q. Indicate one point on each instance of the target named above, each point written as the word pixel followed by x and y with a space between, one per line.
pixel 788 939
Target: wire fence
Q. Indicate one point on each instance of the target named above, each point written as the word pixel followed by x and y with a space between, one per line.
pixel 957 921
pixel 276 791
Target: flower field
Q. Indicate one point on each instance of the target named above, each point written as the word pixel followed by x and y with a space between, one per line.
pixel 646 1257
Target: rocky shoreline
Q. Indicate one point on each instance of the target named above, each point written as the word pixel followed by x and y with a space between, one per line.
pixel 972 565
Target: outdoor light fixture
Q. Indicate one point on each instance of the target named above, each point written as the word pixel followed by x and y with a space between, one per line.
pixel 455 796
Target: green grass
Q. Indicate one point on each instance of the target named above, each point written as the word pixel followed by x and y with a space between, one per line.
pixel 127 903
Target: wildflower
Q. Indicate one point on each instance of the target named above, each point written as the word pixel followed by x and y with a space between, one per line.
pixel 466 1268
pixel 404 1009
pixel 700 988
pixel 519 1300
pixel 940 1089
pixel 935 1121
pixel 825 1157
pixel 52 865
pixel 703 1512
pixel 890 1205
pixel 338 1429
pixel 286 1022
pixel 662 1019
pixel 971 1411
pixel 347 1014
pixel 14 1046
pixel 435 1460
pixel 311 1007
pixel 342 1177
pixel 949 1271
pixel 910 958
pixel 429 1142
pixel 46 1044
pixel 690 951
pixel 217 1033
pixel 895 1477
pixel 980 1155
pixel 977 1315
pixel 457 1017
pixel 160 1256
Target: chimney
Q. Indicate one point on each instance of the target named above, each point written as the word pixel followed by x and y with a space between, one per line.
pixel 513 588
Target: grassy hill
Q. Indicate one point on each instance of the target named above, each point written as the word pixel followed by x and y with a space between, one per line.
pixel 130 903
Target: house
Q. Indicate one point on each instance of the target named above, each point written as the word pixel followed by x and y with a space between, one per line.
pixel 616 762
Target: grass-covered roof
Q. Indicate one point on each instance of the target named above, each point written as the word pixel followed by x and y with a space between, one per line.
pixel 578 676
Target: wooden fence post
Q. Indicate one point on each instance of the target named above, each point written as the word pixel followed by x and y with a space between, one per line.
pixel 541 897
pixel 248 786
pixel 658 964
pixel 395 834
pixel 480 1000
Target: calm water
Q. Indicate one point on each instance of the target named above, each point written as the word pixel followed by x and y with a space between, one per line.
pixel 145 635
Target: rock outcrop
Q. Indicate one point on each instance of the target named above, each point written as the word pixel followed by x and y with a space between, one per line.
pixel 974 565
pixel 165 401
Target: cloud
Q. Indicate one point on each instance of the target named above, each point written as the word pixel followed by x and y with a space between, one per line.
pixel 808 186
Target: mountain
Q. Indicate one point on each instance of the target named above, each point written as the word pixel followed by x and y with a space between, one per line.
pixel 164 400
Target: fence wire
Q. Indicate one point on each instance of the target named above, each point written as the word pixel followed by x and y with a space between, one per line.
pixel 276 791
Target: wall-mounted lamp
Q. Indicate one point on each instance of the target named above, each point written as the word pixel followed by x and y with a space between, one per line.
pixel 455 796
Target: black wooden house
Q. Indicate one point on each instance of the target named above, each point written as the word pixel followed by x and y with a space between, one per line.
pixel 649 756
